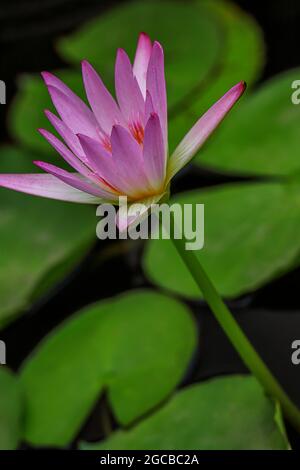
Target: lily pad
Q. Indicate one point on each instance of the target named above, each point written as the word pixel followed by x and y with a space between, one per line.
pixel 230 413
pixel 11 407
pixel 249 239
pixel 262 136
pixel 241 57
pixel 37 236
pixel 137 347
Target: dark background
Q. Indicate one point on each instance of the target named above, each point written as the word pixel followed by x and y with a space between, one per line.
pixel 270 316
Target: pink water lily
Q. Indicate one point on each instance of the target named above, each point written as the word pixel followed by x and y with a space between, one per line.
pixel 117 148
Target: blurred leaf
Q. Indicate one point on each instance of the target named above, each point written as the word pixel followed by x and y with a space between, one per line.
pixel 241 57
pixel 221 414
pixel 10 410
pixel 249 239
pixel 37 236
pixel 243 50
pixel 262 137
pixel 187 32
pixel 137 347
pixel 27 110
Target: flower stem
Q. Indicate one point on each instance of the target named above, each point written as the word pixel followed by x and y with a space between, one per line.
pixel 235 334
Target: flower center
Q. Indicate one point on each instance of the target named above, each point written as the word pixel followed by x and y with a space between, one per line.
pixel 137 131
pixel 106 144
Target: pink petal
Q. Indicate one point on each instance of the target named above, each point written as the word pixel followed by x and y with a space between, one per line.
pixel 115 169
pixel 154 152
pixel 203 128
pixel 52 80
pixel 141 61
pixel 74 112
pixel 102 103
pixel 156 86
pixel 46 185
pixel 67 155
pixel 149 108
pixel 72 179
pixel 128 92
pixel 102 163
pixel 65 132
pixel 127 154
pixel 79 164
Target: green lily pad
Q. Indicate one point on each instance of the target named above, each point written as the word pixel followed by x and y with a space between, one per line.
pixel 11 408
pixel 230 413
pixel 137 347
pixel 241 57
pixel 37 236
pixel 262 136
pixel 249 239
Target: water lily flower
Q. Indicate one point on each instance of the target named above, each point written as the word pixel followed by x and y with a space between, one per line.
pixel 117 147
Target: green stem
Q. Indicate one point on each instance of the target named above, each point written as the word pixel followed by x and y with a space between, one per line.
pixel 235 334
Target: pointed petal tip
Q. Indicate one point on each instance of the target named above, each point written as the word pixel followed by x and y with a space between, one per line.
pixel 39 163
pixel 82 137
pixel 86 65
pixel 144 35
pixel 47 167
pixel 144 41
pixel 157 45
pixel 84 140
pixel 47 76
pixel 121 52
pixel 122 55
pixel 50 116
pixel 44 74
pixel 240 87
pixel 117 129
pixel 45 133
pixel 114 130
pixel 141 60
pixel 204 127
pixel 153 115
